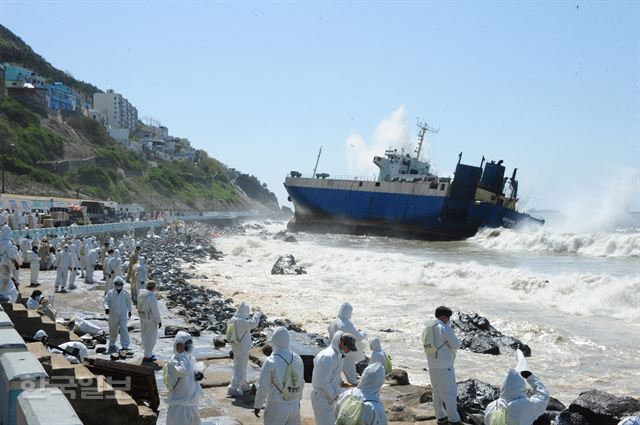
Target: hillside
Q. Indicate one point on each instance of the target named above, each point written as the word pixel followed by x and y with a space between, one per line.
pixel 113 173
pixel 14 50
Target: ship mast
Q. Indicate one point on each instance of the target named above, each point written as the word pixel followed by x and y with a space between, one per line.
pixel 423 129
pixel 317 160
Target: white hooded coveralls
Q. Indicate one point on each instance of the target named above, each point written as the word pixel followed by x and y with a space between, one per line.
pixel 92 259
pixel 442 372
pixel 521 410
pixel 34 266
pixel 142 275
pixel 26 246
pixel 278 410
pixel 63 263
pixel 327 368
pixel 7 257
pixel 185 392
pixel 149 320
pixel 74 266
pixel 119 305
pixel 377 353
pixel 343 323
pixel 369 391
pixel 33 303
pixel 114 269
pixel 243 325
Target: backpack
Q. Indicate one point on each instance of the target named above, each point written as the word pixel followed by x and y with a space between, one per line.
pixel 291 388
pixel 166 378
pixel 499 416
pixel 350 411
pixel 232 336
pixel 388 367
pixel 429 340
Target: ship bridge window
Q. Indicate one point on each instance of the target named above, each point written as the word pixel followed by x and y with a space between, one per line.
pixel 433 185
pixel 377 183
pixel 441 186
pixel 360 184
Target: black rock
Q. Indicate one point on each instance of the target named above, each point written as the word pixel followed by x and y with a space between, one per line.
pixel 474 396
pixel 599 407
pixel 555 405
pixel 173 330
pixel 362 365
pixel 567 417
pixel 286 264
pixel 398 377
pixel 477 335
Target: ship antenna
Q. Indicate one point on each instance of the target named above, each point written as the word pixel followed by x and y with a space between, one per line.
pixel 423 129
pixel 317 160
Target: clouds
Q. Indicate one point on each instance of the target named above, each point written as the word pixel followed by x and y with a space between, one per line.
pixel 392 132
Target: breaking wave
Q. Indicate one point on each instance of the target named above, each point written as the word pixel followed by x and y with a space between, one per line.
pixel 610 244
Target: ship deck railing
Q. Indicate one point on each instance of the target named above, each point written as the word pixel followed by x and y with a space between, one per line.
pixel 341 177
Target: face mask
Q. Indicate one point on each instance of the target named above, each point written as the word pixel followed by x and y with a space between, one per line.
pixel 118 288
pixel 188 348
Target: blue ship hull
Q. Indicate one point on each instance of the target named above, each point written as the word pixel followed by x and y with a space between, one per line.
pixel 433 217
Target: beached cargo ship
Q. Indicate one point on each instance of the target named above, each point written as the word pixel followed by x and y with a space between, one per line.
pixel 407 200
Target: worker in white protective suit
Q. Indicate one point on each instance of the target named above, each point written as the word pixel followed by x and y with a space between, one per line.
pixel 73 272
pixel 92 259
pixel 74 351
pixel 17 264
pixel 343 323
pixel 140 276
pixel 114 267
pixel 150 320
pixel 281 383
pixel 514 405
pixel 378 355
pixel 367 392
pixel 182 383
pixel 34 266
pixel 239 336
pixel 104 258
pixel 117 305
pixel 108 274
pixel 325 381
pixel 34 300
pixel 63 265
pixel 25 247
pixel 440 345
pixel 8 262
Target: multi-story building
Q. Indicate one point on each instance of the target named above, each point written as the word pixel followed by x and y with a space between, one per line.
pixel 119 112
pixel 61 97
pixel 17 76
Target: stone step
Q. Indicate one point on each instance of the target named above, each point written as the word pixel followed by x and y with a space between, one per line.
pixel 40 352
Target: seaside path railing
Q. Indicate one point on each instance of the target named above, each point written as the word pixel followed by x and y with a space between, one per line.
pixel 125 226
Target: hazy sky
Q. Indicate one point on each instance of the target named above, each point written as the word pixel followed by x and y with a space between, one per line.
pixel 550 87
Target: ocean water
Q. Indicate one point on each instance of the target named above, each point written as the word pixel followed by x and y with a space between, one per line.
pixel 574 298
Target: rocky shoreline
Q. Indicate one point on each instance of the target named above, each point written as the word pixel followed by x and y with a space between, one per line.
pixel 208 310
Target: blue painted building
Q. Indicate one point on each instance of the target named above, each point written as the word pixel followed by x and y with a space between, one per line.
pixel 17 76
pixel 61 97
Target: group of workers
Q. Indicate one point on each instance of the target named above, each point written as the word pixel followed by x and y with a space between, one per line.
pixel 73 257
pixel 339 396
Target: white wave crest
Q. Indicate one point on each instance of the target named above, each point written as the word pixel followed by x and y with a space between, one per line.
pixel 614 244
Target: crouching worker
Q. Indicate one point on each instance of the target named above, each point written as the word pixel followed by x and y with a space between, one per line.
pixel 181 379
pixel 513 406
pixel 362 405
pixel 281 383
